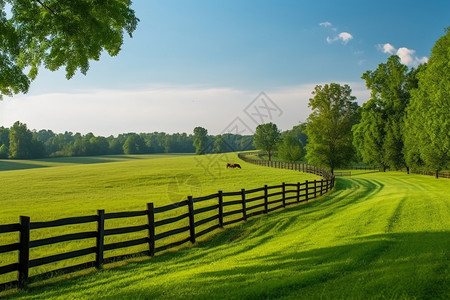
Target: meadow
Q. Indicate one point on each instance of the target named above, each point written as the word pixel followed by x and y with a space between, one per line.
pixel 66 187
pixel 376 236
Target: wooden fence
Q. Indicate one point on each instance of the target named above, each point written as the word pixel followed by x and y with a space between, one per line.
pixel 224 208
pixel 247 157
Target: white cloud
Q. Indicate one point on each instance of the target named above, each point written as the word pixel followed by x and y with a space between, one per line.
pixel 407 56
pixel 325 24
pixel 387 48
pixel 344 37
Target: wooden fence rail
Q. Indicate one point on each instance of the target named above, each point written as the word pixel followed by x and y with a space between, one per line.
pixel 226 208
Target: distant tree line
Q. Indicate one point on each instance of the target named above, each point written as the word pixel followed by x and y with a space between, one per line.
pixel 18 142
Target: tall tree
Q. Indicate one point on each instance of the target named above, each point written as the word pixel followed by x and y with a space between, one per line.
pixel 56 33
pixel 266 138
pixel 427 130
pixel 291 147
pixel 329 126
pixel 382 121
pixel 22 144
pixel 200 140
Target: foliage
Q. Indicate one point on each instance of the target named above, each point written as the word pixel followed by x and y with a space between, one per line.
pixel 58 33
pixel 266 138
pixel 427 137
pixel 134 144
pixel 382 117
pixel 290 148
pixel 200 140
pixel 52 144
pixel 329 126
pixel 22 144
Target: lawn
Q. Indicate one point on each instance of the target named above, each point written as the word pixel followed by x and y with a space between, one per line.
pixel 378 235
pixel 71 187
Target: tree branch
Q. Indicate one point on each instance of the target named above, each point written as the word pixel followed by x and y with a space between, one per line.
pixel 46 7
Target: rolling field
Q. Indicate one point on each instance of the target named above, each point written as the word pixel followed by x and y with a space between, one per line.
pixel 69 187
pixel 378 235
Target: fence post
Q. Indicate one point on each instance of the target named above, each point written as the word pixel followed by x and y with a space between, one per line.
pixel 284 194
pixel 266 200
pixel 298 192
pixel 244 206
pixel 151 228
pixel 220 209
pixel 315 188
pixel 24 251
pixel 321 187
pixel 307 190
pixel 191 219
pixel 100 238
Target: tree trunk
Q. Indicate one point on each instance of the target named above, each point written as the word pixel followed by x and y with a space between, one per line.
pixel 437 173
pixel 270 155
pixel 407 170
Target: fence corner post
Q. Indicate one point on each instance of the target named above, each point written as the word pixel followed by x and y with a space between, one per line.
pixel 151 228
pixel 24 251
pixel 244 205
pixel 298 192
pixel 191 219
pixel 284 193
pixel 100 238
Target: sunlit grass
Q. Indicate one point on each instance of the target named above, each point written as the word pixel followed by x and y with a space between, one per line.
pixel 70 187
pixel 379 235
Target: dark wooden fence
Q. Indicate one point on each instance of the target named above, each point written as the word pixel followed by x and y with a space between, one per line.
pixel 222 208
pixel 249 157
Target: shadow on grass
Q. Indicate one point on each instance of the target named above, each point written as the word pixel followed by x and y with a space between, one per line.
pixel 400 265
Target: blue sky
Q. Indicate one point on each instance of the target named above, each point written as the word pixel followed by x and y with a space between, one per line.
pixel 201 63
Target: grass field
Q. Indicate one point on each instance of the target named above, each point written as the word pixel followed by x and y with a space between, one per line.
pixel 68 187
pixel 378 235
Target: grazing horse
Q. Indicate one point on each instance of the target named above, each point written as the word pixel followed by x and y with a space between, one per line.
pixel 233 166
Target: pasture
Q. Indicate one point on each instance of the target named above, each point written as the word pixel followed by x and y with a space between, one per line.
pixel 378 235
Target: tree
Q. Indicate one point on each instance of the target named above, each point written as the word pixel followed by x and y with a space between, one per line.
pixel 200 140
pixel 134 145
pixel 22 144
pixel 291 148
pixel 266 138
pixel 329 126
pixel 4 151
pixel 219 144
pixel 390 86
pixel 57 33
pixel 427 130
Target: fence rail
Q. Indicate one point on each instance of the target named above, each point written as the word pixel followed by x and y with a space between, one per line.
pixel 221 209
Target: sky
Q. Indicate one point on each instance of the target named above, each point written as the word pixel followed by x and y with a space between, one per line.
pixel 229 65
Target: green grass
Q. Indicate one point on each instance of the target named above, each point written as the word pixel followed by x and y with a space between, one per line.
pixel 379 235
pixel 78 187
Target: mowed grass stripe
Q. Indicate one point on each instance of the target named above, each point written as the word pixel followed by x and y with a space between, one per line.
pixel 379 235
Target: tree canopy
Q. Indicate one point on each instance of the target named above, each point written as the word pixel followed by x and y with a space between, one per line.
pixel 379 135
pixel 329 126
pixel 427 130
pixel 58 33
pixel 200 140
pixel 266 138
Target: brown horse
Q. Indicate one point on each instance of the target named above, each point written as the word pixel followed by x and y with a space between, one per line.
pixel 233 166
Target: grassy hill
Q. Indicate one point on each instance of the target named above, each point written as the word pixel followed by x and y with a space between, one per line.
pixel 379 235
